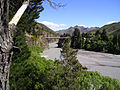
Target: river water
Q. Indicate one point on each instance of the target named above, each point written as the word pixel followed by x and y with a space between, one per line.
pixel 106 64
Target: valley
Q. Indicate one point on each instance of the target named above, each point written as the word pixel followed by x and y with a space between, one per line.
pixel 106 64
pixel 74 48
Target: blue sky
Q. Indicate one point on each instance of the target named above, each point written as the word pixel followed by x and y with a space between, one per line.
pixel 88 13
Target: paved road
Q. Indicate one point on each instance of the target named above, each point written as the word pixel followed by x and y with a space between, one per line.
pixel 106 64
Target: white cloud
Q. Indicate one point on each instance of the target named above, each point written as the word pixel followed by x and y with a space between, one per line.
pixel 53 26
pixel 111 22
pixel 82 25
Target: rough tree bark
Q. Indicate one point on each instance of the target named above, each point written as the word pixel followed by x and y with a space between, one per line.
pixel 6 45
pixel 6 42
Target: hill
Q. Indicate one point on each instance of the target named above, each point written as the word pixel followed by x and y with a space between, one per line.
pixel 37 38
pixel 41 29
pixel 81 28
pixel 112 29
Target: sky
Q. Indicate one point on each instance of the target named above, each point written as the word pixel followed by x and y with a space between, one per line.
pixel 88 13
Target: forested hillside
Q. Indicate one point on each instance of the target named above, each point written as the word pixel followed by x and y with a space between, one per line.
pixel 100 41
pixel 112 29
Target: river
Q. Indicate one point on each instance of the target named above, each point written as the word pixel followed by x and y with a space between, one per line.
pixel 106 64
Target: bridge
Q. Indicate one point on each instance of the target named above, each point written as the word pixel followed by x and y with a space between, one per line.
pixel 56 37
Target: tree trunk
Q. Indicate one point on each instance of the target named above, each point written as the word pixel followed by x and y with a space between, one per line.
pixel 6 44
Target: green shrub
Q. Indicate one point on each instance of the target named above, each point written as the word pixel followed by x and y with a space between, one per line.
pixel 90 80
pixel 30 74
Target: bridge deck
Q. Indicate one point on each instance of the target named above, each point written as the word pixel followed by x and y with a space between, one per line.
pixel 56 37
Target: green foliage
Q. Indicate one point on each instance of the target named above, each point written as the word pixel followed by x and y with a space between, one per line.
pixel 34 39
pixel 62 40
pixel 31 73
pixel 36 73
pixel 22 52
pixel 101 41
pixel 76 39
pixel 66 72
pixel 27 22
pixel 94 81
pixel 69 57
pixel 112 29
pixel 35 50
pixel 104 36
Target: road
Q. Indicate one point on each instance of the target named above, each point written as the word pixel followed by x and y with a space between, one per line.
pixel 106 64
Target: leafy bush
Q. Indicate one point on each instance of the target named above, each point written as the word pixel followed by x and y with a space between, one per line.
pixel 35 50
pixel 36 73
pixel 69 74
pixel 32 73
pixel 90 80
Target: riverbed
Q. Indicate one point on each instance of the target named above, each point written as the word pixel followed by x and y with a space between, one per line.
pixel 106 64
pixel 52 52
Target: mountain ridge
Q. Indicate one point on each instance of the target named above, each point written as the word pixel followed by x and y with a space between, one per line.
pixel 112 29
pixel 82 29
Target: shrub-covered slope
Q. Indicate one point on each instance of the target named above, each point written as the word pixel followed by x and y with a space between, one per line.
pixel 41 29
pixel 113 28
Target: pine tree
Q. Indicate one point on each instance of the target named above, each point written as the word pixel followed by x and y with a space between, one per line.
pixel 104 35
pixel 62 40
pixel 97 32
pixel 22 53
pixel 76 39
pixel 115 41
pixel 27 22
pixel 66 72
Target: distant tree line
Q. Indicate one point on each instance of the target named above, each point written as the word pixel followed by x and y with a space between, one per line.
pixel 100 41
pixel 62 40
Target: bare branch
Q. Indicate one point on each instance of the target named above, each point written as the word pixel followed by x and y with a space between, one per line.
pixel 55 5
pixel 19 13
